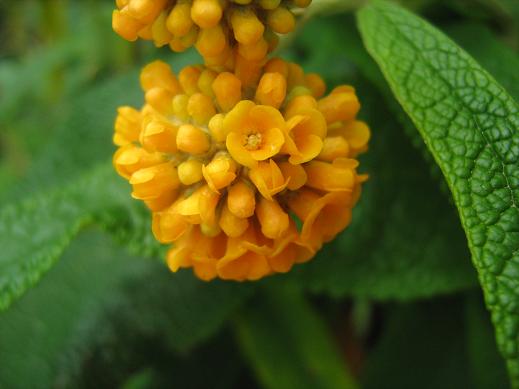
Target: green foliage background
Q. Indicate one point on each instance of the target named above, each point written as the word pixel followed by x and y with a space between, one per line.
pixel 394 302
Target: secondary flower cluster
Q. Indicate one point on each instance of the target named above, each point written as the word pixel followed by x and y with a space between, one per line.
pixel 246 176
pixel 223 31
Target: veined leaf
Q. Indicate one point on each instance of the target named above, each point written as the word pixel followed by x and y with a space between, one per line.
pixel 288 345
pixel 73 192
pixel 497 58
pixel 471 126
pixel 84 138
pixel 36 231
pixel 101 313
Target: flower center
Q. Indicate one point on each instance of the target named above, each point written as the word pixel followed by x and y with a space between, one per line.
pixel 253 141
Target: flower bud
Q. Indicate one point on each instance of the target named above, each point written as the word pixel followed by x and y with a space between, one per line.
pixel 232 225
pixel 357 135
pixel 247 71
pixel 227 89
pixel 145 33
pixel 273 220
pixel 241 200
pixel 145 10
pixel 334 147
pixel 179 21
pixel 300 104
pixel 188 78
pixel 159 31
pixel 248 29
pixel 130 158
pixel 127 126
pixel 192 139
pixel 206 13
pixel 200 107
pixel 316 84
pixel 341 106
pixel 159 74
pixel 255 51
pixel 180 107
pixel 190 38
pixel 160 99
pixel 169 225
pixel 211 41
pixel 190 171
pixel 153 181
pixel 126 26
pixel 210 230
pixel 207 203
pixel 179 256
pixel 269 4
pixel 205 82
pixel 295 174
pixel 277 65
pixel 267 177
pixel 161 202
pixel 216 128
pixel 331 177
pixel 159 135
pixel 271 90
pixel 296 76
pixel 281 20
pixel 220 172
pixel 177 46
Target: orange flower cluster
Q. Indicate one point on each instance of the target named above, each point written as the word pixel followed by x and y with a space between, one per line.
pixel 246 172
pixel 223 31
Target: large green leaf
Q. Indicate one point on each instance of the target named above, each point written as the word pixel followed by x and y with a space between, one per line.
pixel 470 125
pixel 72 192
pixel 288 345
pixel 35 232
pixel 486 364
pixel 421 345
pixel 97 317
pixel 498 59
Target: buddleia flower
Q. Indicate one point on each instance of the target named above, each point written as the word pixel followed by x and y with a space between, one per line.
pixel 245 174
pixel 223 31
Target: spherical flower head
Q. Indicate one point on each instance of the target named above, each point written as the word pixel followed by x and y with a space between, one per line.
pixel 243 180
pixel 219 30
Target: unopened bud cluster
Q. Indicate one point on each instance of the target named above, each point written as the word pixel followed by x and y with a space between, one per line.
pixel 244 182
pixel 223 31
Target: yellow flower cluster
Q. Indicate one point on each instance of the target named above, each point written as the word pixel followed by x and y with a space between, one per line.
pixel 223 31
pixel 246 172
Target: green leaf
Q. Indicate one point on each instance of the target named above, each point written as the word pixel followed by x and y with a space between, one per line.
pixel 288 345
pixel 36 231
pixel 497 58
pixel 84 138
pixel 73 191
pixel 100 314
pixel 486 364
pixel 421 345
pixel 388 252
pixel 470 125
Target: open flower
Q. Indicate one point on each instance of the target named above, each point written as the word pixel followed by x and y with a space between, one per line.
pixel 229 180
pixel 254 132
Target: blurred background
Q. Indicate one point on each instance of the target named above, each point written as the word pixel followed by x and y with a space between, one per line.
pixel 416 319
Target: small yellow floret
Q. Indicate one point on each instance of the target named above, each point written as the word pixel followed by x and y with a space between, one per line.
pixel 191 139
